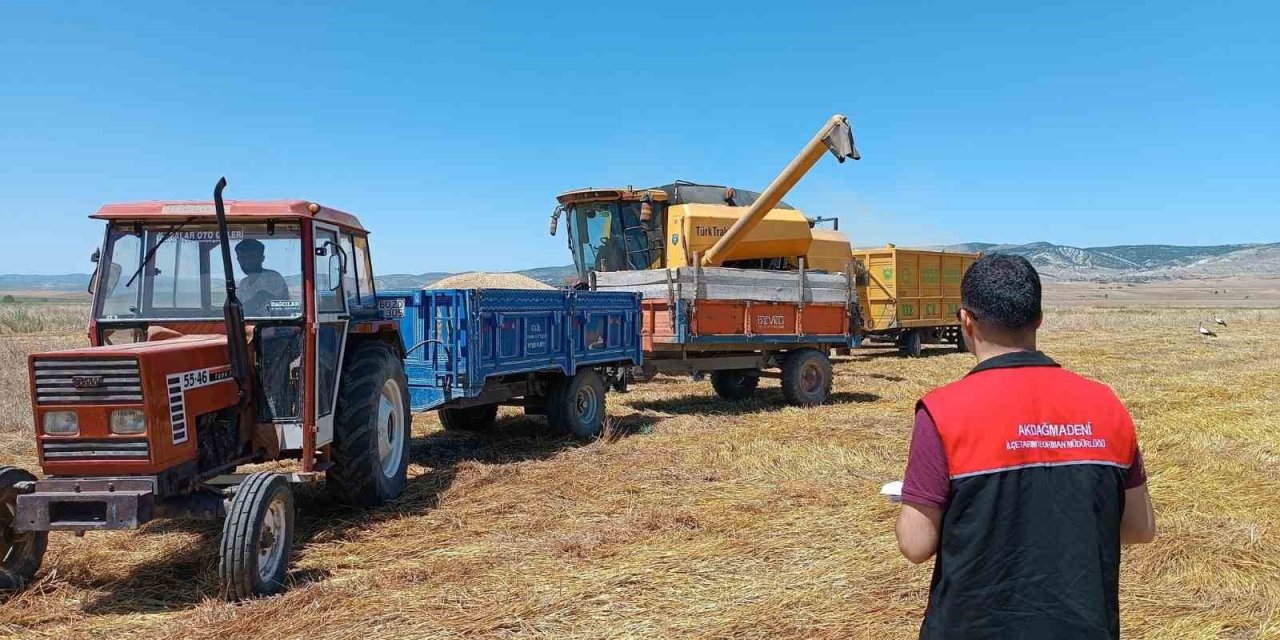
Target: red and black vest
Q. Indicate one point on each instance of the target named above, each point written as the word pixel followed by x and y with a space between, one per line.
pixel 1030 539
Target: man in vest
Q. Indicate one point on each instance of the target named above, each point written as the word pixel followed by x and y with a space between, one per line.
pixel 1023 478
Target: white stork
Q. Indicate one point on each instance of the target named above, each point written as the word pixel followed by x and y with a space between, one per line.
pixel 1219 321
pixel 1206 333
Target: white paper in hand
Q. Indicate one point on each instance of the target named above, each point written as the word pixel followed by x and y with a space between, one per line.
pixel 893 490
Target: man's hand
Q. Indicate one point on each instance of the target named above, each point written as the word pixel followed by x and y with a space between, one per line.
pixel 918 529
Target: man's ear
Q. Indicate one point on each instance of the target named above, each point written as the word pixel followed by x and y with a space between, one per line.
pixel 1039 321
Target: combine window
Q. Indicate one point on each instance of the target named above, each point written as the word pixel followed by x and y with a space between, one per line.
pixel 609 236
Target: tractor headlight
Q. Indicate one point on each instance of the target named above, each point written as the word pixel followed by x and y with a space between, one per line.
pixel 128 421
pixel 61 423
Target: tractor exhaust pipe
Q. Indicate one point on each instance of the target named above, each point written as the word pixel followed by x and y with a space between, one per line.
pixel 232 311
pixel 835 136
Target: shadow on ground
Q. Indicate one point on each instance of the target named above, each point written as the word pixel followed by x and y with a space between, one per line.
pixel 181 579
pixel 711 404
pixel 928 351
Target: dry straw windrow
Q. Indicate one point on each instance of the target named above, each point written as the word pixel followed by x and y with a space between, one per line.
pixel 704 519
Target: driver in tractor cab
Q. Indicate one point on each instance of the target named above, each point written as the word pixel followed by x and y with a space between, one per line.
pixel 259 286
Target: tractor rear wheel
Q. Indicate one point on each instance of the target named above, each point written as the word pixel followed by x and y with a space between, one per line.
pixel 735 384
pixel 577 405
pixel 256 537
pixel 806 378
pixel 21 552
pixel 477 418
pixel 371 428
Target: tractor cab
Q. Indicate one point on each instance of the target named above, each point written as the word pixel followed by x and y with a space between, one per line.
pixel 303 275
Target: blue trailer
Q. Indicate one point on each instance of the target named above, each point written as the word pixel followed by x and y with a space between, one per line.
pixel 554 352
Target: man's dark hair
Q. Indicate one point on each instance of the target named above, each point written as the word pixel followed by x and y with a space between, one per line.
pixel 1003 290
pixel 249 244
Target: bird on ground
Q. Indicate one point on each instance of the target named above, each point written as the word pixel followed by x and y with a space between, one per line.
pixel 1220 321
pixel 1207 333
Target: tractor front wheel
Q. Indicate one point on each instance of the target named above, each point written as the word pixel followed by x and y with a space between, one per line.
pixel 257 537
pixel 21 551
pixel 370 428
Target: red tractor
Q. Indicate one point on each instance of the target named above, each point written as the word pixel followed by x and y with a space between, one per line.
pixel 191 374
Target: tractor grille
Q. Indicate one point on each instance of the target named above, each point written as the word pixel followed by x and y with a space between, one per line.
pixel 113 449
pixel 87 381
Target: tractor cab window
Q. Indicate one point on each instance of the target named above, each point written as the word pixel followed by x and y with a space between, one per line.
pixel 174 271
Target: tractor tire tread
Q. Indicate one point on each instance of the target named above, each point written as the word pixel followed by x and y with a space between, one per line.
pixel 352 479
pixel 18 572
pixel 237 566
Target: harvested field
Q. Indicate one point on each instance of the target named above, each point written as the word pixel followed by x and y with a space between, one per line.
pixel 700 518
pixel 485 280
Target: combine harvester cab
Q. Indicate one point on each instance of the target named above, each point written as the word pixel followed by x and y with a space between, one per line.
pixel 735 283
pixel 554 352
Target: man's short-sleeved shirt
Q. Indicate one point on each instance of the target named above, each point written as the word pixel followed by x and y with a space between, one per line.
pixel 1029 463
pixel 257 290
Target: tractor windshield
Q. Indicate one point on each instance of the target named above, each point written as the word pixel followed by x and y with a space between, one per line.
pixel 183 278
pixel 609 236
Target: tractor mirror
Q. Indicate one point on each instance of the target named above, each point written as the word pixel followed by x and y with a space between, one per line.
pixel 337 265
pixel 93 279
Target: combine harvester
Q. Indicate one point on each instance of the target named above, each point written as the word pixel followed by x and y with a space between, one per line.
pixel 735 283
pixel 183 383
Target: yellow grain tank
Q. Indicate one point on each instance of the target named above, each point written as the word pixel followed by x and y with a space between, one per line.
pixel 909 288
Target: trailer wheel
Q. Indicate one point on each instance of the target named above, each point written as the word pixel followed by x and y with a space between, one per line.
pixel 371 428
pixel 256 537
pixel 909 343
pixel 577 405
pixel 735 384
pixel 21 551
pixel 806 378
pixel 477 418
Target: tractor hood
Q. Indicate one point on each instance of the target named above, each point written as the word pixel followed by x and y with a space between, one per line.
pixel 171 381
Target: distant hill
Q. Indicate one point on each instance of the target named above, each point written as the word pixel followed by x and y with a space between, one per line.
pixel 67 282
pixel 1138 263
pixel 1120 263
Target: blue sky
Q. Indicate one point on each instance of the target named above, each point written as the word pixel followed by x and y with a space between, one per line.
pixel 449 128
